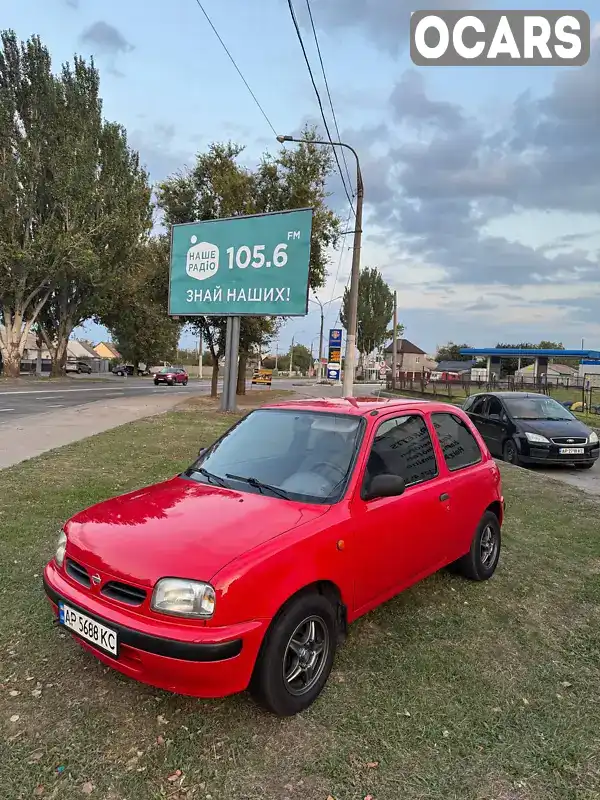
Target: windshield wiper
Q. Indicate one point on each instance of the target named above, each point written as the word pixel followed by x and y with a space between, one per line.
pixel 259 485
pixel 211 477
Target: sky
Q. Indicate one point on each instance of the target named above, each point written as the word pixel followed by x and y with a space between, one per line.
pixel 482 184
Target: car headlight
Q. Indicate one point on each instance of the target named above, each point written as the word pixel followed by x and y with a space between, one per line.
pixel 593 438
pixel 537 438
pixel 184 598
pixel 61 547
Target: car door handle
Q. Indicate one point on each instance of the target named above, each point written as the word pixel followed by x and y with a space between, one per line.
pixel 444 496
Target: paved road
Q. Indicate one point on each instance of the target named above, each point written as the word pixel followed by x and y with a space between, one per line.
pixel 586 479
pixel 24 399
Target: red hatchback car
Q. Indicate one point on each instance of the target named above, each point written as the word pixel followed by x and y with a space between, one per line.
pixel 245 570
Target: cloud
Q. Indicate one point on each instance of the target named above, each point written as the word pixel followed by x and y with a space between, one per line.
pixel 159 153
pixel 437 192
pixel 107 41
pixel 385 22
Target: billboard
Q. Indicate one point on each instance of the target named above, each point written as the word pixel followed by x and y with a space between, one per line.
pixel 241 266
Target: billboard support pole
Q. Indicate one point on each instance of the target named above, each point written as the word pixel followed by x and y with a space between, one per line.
pixel 234 349
pixel 227 373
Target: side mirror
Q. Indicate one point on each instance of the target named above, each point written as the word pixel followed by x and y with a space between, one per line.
pixel 202 451
pixel 385 486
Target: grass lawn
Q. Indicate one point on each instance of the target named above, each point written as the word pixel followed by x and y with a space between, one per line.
pixel 453 690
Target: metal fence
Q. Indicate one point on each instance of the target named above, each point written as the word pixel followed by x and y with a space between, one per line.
pixel 566 391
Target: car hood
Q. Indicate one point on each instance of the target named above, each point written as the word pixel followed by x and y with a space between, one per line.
pixel 179 528
pixel 553 428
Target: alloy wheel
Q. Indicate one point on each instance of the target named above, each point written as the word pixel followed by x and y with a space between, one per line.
pixel 306 655
pixel 488 547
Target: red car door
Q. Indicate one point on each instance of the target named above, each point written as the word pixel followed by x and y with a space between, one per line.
pixel 399 539
pixel 471 482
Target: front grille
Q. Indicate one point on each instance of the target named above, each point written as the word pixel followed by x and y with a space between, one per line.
pixel 570 440
pixel 78 573
pixel 124 593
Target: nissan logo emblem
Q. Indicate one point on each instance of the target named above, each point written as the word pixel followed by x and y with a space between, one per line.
pixel 96 579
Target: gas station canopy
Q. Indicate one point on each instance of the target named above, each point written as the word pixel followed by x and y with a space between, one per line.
pixel 528 352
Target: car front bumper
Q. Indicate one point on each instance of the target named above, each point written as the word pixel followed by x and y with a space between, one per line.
pixel 186 659
pixel 531 453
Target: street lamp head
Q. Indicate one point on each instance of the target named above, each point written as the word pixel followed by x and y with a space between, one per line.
pixel 283 139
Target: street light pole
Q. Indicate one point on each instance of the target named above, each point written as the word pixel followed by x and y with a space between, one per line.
pixel 321 306
pixel 350 356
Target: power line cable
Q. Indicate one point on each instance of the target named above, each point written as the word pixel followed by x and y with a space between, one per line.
pixel 312 78
pixel 335 122
pixel 342 251
pixel 337 272
pixel 239 72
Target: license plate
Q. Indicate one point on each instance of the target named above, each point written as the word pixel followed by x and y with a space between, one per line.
pixel 571 451
pixel 90 630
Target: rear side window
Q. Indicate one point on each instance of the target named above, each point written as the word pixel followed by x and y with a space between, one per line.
pixel 476 405
pixel 458 443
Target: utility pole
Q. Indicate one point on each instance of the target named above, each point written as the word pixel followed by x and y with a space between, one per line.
pixel 322 310
pixel 350 356
pixel 200 355
pixel 291 358
pixel 350 360
pixel 395 342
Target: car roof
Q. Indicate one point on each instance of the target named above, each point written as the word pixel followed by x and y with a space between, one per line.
pixel 510 394
pixel 360 406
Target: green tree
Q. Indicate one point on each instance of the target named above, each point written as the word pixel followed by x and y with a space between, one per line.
pixel 300 358
pixel 218 186
pixel 29 248
pixel 399 331
pixel 137 319
pixel 75 201
pixel 375 309
pixel 451 352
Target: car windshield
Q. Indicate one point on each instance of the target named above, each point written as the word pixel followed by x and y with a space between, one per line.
pixel 540 407
pixel 297 455
pixel 166 370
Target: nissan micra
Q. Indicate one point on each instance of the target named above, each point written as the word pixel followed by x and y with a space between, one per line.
pixel 244 571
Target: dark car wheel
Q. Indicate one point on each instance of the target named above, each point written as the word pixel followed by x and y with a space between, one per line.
pixel 185 382
pixel 156 383
pixel 480 563
pixel 296 656
pixel 171 383
pixel 510 453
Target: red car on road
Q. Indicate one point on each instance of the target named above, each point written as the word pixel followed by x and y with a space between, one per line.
pixel 245 570
pixel 171 376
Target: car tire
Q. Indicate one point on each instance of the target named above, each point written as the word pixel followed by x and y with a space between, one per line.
pixel 156 383
pixel 510 454
pixel 309 616
pixel 585 466
pixel 185 383
pixel 171 383
pixel 480 563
